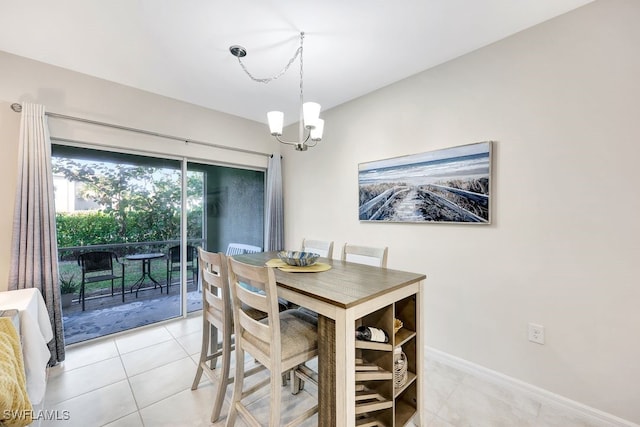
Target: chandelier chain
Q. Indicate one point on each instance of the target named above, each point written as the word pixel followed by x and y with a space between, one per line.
pixel 276 117
pixel 284 70
pixel 301 56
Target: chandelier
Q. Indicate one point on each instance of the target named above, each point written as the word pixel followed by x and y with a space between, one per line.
pixel 310 123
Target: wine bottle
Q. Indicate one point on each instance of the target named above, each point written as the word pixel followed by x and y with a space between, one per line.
pixel 369 333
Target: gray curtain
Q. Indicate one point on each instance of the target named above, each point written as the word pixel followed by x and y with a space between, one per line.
pixel 274 218
pixel 34 254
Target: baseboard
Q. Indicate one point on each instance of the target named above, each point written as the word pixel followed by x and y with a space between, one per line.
pixel 544 396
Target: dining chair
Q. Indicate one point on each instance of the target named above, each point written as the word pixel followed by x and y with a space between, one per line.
pixel 217 318
pixel 241 248
pixel 324 249
pixel 173 263
pixel 321 247
pixel 281 342
pixel 99 266
pixel 368 255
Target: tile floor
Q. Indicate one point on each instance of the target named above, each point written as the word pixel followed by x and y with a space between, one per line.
pixel 143 378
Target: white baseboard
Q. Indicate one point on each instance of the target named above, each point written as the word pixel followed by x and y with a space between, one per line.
pixel 539 394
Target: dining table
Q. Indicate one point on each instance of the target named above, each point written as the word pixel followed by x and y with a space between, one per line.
pixel 341 295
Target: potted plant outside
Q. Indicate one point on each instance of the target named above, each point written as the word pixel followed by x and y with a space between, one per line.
pixel 68 288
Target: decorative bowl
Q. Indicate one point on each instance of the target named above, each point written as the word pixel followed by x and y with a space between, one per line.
pixel 299 259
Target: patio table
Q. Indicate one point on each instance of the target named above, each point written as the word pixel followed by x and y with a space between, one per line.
pixel 146 269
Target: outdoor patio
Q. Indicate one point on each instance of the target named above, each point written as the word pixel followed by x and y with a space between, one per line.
pixel 105 314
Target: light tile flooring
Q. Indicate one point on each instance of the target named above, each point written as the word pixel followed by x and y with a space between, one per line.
pixel 143 378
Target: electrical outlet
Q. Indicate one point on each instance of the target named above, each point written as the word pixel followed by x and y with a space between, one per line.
pixel 536 333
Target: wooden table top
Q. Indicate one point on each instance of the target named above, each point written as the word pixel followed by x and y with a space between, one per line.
pixel 345 285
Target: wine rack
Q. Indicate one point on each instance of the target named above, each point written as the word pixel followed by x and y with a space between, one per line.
pixel 378 401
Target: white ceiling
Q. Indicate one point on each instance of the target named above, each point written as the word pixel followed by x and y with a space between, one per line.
pixel 180 48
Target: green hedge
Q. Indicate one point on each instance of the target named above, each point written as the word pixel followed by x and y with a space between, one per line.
pixel 96 228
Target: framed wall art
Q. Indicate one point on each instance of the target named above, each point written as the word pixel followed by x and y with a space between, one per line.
pixel 452 185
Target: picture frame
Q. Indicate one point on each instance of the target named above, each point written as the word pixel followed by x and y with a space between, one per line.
pixel 450 185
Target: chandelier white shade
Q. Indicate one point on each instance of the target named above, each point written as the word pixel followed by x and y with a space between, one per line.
pixel 310 122
pixel 311 114
pixel 276 121
pixel 316 132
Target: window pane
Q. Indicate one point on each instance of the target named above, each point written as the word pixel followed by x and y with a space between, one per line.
pixel 128 206
pixel 234 206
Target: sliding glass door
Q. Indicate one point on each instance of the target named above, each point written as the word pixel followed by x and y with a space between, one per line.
pixel 119 222
pixel 234 206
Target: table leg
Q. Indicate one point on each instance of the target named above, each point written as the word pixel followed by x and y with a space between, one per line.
pixel 138 283
pixel 326 371
pixel 148 262
pixel 146 272
pixel 336 374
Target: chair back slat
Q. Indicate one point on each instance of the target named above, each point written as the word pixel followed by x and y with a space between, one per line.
pixel 264 300
pixel 213 293
pixel 252 299
pixel 254 327
pixel 368 255
pixel 233 250
pixel 216 298
pixel 320 247
pixel 92 262
pixel 241 248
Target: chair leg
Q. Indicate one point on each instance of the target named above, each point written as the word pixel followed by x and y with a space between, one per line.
pixel 296 382
pixel 223 378
pixel 213 346
pixel 82 295
pixel 274 407
pixel 203 353
pixel 237 387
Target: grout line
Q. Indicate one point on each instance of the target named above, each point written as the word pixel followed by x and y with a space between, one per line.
pixel 130 388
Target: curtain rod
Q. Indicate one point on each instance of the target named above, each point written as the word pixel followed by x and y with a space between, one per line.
pixel 18 108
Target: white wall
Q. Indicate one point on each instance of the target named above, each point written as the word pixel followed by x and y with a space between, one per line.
pixel 561 100
pixel 70 93
pixel 9 128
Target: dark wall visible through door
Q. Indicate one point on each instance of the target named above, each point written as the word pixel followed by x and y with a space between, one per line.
pixel 234 201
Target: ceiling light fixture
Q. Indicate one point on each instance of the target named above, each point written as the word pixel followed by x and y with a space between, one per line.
pixel 310 122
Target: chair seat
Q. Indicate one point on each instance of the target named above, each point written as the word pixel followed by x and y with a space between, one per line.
pixel 298 334
pixel 93 279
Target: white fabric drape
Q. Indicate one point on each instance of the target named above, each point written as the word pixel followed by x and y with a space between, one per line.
pixel 34 255
pixel 274 217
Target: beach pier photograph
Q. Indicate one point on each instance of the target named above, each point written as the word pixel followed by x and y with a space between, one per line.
pixel 447 185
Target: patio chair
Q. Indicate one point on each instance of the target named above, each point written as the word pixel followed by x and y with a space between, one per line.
pixel 99 266
pixel 173 263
